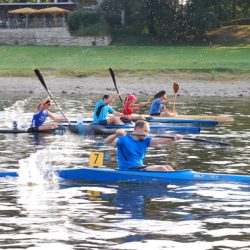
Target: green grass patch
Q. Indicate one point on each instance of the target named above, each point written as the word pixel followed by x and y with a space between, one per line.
pixel 230 35
pixel 127 60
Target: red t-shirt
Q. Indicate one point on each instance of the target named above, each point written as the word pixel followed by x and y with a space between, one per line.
pixel 126 110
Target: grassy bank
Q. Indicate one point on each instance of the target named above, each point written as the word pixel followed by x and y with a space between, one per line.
pixel 210 62
pixel 235 35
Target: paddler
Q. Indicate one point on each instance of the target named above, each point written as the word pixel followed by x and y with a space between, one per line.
pixel 102 108
pixel 132 148
pixel 158 107
pixel 130 106
pixel 42 112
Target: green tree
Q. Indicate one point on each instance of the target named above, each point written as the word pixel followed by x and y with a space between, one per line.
pixel 83 23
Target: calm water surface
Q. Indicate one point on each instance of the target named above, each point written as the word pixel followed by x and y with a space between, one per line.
pixel 44 213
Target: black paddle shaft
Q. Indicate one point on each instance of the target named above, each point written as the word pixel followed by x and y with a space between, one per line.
pixel 114 81
pixel 40 77
pixel 214 143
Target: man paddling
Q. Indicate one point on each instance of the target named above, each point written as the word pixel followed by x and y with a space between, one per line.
pixel 131 148
pixel 102 108
pixel 42 112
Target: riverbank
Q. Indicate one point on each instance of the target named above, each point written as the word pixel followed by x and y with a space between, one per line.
pixel 142 86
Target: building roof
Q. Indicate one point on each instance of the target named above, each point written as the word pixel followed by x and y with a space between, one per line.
pixel 23 11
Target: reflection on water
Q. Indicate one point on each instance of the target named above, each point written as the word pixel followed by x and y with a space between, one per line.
pixel 41 211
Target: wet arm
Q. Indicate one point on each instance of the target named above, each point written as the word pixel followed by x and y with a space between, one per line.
pixel 112 139
pixel 52 117
pixel 164 141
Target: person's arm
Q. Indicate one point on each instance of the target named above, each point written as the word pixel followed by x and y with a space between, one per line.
pixel 139 105
pixel 109 100
pixel 163 141
pixel 112 139
pixel 52 117
pixel 165 101
pixel 118 114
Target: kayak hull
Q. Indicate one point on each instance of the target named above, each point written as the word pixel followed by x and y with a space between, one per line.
pixel 59 130
pixel 218 118
pixel 117 176
pixel 88 129
pixel 107 175
pixel 157 119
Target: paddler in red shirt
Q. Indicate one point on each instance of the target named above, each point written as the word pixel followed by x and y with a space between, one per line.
pixel 130 106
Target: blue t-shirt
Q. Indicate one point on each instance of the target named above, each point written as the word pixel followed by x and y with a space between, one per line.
pixel 156 107
pixel 39 118
pixel 131 152
pixel 105 109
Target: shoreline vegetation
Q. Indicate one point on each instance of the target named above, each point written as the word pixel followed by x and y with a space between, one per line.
pixel 185 62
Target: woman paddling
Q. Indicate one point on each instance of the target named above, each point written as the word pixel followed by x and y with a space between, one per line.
pixel 158 107
pixel 42 112
pixel 130 106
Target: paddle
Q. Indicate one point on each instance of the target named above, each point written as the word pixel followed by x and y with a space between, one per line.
pixel 176 89
pixel 215 143
pixel 114 81
pixel 40 77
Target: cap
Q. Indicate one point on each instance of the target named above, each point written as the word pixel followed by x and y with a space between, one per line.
pixel 131 97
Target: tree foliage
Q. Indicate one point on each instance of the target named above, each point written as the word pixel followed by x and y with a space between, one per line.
pixel 166 20
pixel 83 23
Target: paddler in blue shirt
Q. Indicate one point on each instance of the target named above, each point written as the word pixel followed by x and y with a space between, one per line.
pixel 42 112
pixel 102 109
pixel 132 148
pixel 158 107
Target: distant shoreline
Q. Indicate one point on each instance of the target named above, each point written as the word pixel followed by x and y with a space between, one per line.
pixel 141 86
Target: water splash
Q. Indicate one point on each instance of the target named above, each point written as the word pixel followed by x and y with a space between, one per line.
pixel 37 168
pixel 16 112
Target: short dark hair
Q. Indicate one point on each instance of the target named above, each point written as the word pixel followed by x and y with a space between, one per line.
pixel 105 97
pixel 140 123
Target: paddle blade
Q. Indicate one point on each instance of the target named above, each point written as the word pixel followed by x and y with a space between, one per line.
pixel 114 81
pixel 40 77
pixel 113 76
pixel 176 87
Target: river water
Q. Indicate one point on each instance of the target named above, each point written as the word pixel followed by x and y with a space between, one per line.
pixel 45 213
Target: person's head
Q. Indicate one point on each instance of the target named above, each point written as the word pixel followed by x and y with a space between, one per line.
pixel 105 97
pixel 141 129
pixel 131 98
pixel 160 94
pixel 47 104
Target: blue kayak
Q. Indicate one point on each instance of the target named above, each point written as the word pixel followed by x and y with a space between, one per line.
pixel 91 129
pixel 157 127
pixel 107 175
pixel 196 122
